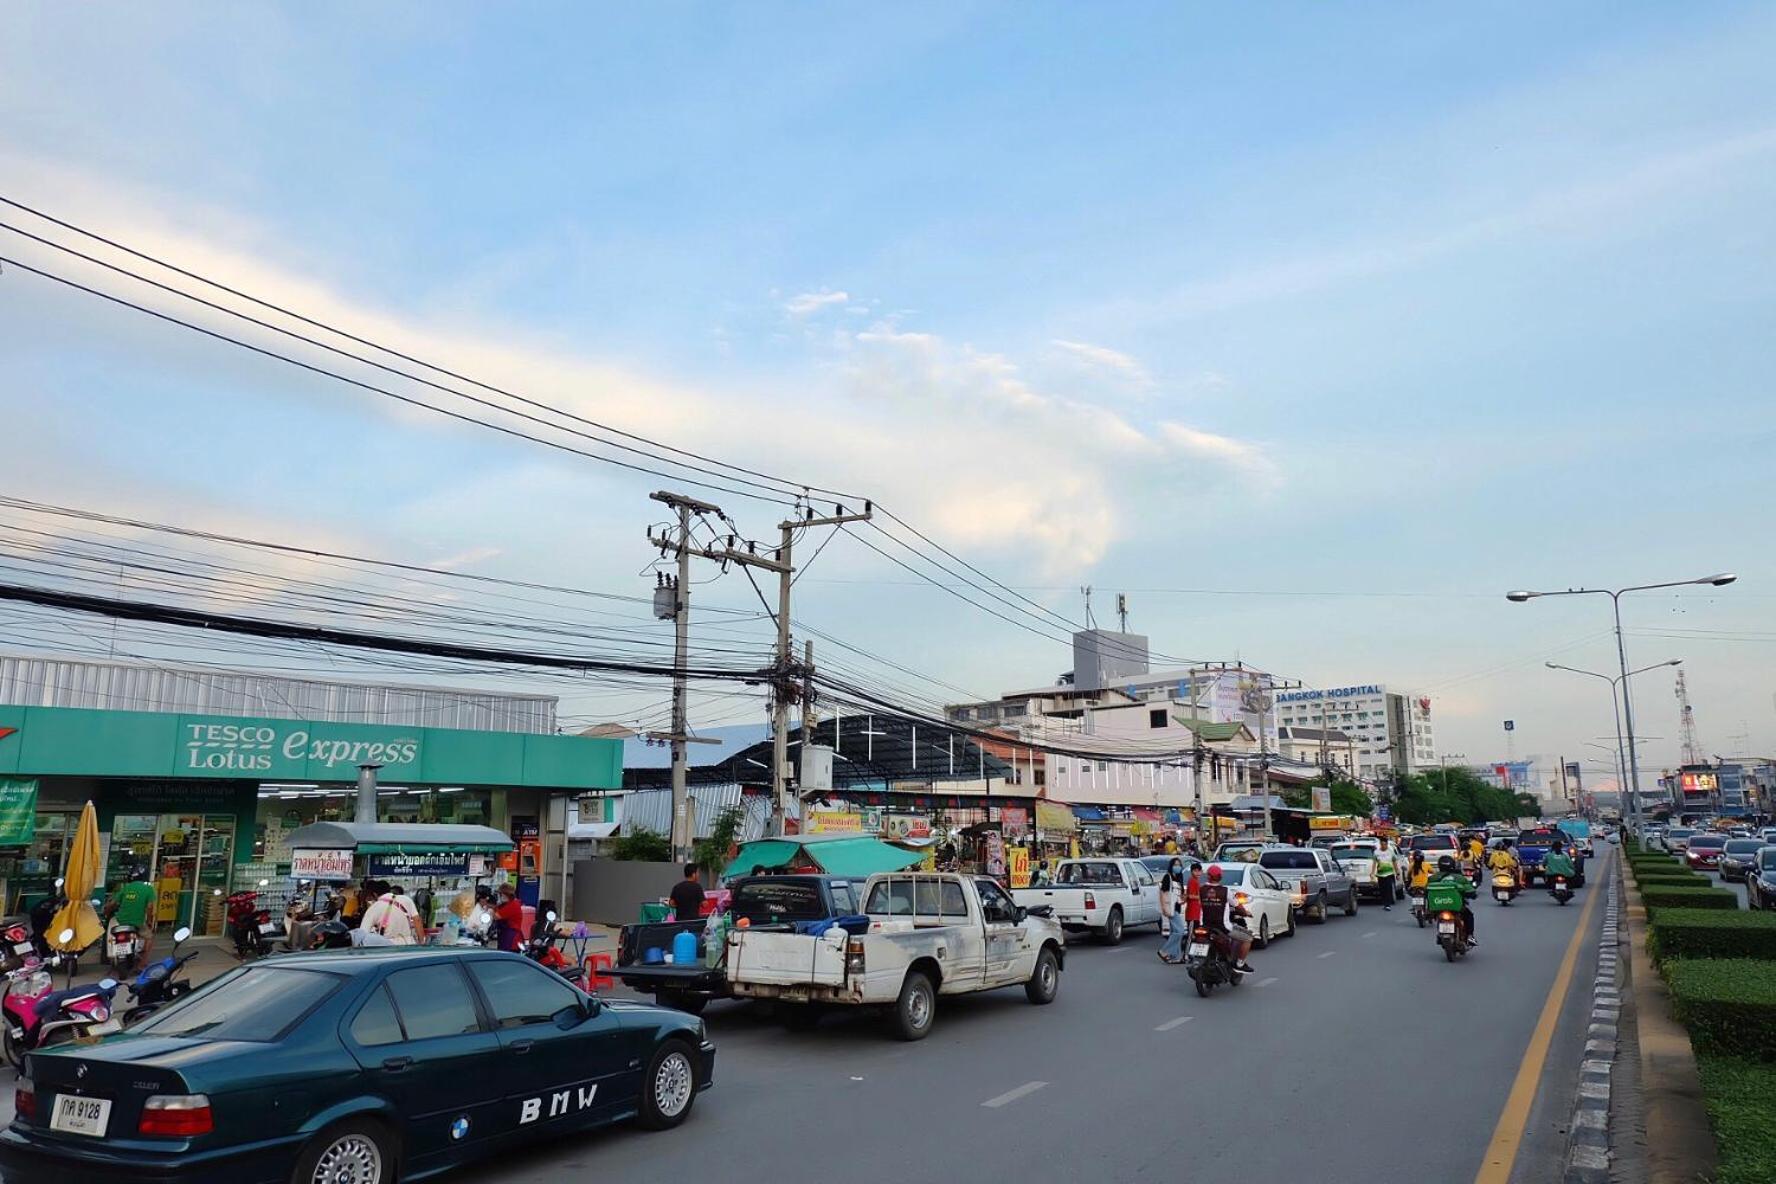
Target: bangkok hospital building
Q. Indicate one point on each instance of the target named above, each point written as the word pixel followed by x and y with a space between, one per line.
pixel 1391 731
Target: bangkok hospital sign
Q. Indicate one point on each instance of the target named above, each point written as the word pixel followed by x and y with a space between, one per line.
pixel 1338 693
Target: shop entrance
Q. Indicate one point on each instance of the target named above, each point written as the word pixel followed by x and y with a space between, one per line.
pixel 186 856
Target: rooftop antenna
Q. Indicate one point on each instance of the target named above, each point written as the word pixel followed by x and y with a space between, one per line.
pixel 1086 591
pixel 1122 610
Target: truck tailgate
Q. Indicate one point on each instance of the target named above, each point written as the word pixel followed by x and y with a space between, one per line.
pixel 784 959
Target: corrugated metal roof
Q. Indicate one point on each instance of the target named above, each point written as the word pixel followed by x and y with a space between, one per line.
pixel 35 681
pixel 652 809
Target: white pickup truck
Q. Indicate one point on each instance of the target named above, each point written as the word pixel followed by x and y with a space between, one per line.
pixel 929 935
pixel 1102 896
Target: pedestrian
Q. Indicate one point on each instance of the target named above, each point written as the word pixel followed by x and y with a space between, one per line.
pixel 1386 859
pixel 1171 912
pixel 687 896
pixel 508 918
pixel 393 915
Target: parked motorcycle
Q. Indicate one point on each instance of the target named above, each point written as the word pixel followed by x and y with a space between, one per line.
pixel 1208 959
pixel 1504 886
pixel 158 984
pixel 123 949
pixel 252 928
pixel 34 1015
pixel 15 945
pixel 541 949
pixel 1561 890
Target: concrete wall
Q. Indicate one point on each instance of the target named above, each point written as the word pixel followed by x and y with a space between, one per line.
pixel 611 891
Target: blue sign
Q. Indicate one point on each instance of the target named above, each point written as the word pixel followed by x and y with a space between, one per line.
pixel 1510 725
pixel 1381 812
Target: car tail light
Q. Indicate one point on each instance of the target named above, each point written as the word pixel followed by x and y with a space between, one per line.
pixel 24 1099
pixel 176 1115
pixel 1240 898
pixel 1091 902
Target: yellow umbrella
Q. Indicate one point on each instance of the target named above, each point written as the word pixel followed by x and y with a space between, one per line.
pixel 79 877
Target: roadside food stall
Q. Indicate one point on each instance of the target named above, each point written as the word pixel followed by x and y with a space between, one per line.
pixel 433 861
pixel 835 855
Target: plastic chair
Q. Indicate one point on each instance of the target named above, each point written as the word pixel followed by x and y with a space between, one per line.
pixel 597 966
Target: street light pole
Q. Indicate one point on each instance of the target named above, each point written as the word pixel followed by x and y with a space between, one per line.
pixel 1618 681
pixel 1718 580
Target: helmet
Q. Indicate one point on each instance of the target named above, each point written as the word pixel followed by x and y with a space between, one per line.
pixel 1214 873
pixel 1446 864
pixel 330 935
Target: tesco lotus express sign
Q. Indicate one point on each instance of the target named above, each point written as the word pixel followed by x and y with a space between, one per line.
pixel 289 749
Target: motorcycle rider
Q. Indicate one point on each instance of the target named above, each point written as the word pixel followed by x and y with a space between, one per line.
pixel 1558 863
pixel 1220 915
pixel 1449 873
pixel 131 904
pixel 1505 860
pixel 1476 853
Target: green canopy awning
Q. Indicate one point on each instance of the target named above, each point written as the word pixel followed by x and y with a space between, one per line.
pixel 837 855
pixel 400 838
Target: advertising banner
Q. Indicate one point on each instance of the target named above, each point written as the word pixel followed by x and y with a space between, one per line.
pixel 1052 818
pixel 329 864
pixel 1017 862
pixel 829 822
pixel 18 811
pixel 398 867
pixel 1323 799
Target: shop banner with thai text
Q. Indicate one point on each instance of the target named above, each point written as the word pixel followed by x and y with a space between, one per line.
pixel 18 810
pixel 1017 860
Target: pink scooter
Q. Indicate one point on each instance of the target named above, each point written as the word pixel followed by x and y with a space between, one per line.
pixel 35 1015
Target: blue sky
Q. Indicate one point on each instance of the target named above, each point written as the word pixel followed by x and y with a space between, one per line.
pixel 1305 305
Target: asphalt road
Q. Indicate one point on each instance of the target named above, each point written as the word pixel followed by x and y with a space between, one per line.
pixel 1356 1054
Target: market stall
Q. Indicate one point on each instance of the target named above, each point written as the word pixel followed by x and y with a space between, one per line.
pixel 433 861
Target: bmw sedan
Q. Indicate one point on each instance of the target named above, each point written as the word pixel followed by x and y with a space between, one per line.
pixel 367 1065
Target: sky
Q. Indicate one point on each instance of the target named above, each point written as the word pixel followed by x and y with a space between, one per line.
pixel 1313 330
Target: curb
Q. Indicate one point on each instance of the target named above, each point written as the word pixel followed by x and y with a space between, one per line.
pixel 1588 1144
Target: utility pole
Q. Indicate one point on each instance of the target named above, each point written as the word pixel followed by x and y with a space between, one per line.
pixel 787 679
pixel 681 837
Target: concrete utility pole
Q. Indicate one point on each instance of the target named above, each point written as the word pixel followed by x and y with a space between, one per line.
pixel 787 681
pixel 682 836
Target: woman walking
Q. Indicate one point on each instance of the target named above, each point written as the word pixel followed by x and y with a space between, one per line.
pixel 1171 912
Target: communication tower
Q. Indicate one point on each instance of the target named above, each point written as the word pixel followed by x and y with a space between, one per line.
pixel 1692 750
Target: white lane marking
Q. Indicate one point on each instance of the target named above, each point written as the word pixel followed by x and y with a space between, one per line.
pixel 1265 982
pixel 1327 954
pixel 1012 1095
pixel 1118 950
pixel 1170 1024
pixel 1371 933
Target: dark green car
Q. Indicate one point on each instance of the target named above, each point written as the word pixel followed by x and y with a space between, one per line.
pixel 364 1066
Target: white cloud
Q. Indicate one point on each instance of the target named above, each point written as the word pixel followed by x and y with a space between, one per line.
pixel 1241 454
pixel 808 303
pixel 1104 358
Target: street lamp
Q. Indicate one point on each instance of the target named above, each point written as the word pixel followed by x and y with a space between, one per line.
pixel 1616 681
pixel 1718 580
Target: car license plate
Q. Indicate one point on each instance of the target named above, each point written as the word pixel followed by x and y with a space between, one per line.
pixel 1199 949
pixel 81 1116
pixel 268 927
pixel 105 1029
pixel 1446 927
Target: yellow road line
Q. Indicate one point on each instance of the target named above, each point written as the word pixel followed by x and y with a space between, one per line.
pixel 1507 1136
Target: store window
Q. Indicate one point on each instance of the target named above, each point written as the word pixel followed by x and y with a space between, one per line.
pixel 29 871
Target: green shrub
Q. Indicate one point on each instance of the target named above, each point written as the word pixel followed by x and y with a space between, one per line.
pixel 1673 880
pixel 1646 861
pixel 1741 1098
pixel 1688 898
pixel 1728 1004
pixel 1712 933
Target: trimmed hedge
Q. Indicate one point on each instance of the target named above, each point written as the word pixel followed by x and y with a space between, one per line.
pixel 1688 898
pixel 1728 1004
pixel 1673 880
pixel 1741 1098
pixel 1711 933
pixel 1643 861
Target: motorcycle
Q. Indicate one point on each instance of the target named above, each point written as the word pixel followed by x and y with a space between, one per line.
pixel 1208 959
pixel 1418 908
pixel 34 1015
pixel 16 945
pixel 541 949
pixel 158 984
pixel 251 927
pixel 1504 886
pixel 1452 933
pixel 123 946
pixel 1561 890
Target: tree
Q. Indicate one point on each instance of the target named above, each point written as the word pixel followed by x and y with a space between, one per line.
pixel 713 853
pixel 642 845
pixel 1457 795
pixel 1347 798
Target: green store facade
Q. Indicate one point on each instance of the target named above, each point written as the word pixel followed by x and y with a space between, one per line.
pixel 204 802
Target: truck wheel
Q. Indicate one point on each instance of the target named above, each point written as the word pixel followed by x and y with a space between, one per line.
pixel 1113 927
pixel 916 1007
pixel 1318 915
pixel 1262 941
pixel 682 1001
pixel 1045 980
pixel 1350 905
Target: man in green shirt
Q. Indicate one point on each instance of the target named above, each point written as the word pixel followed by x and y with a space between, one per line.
pixel 133 903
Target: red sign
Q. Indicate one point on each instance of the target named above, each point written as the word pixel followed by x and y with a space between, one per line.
pixel 5 732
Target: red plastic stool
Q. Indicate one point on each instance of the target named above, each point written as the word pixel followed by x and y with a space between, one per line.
pixel 596 979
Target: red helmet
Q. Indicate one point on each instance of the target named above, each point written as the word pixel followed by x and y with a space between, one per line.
pixel 1214 873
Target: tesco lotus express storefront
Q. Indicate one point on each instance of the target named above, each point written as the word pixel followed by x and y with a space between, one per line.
pixel 201 803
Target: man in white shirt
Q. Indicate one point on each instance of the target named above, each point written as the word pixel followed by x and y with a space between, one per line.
pixel 394 916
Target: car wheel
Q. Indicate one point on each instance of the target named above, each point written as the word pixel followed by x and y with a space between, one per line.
pixel 1045 980
pixel 682 1001
pixel 668 1087
pixel 358 1149
pixel 1350 905
pixel 1113 927
pixel 916 1008
pixel 1290 931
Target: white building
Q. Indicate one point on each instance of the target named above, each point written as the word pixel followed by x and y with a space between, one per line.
pixel 1390 730
pixel 1167 780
